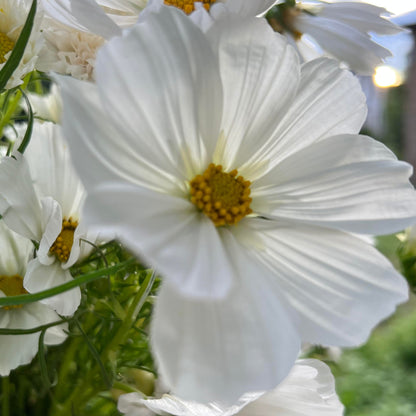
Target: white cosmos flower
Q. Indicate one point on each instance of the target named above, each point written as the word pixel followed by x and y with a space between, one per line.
pixel 309 390
pixel 17 350
pixel 342 29
pixel 237 299
pixel 41 198
pixel 13 14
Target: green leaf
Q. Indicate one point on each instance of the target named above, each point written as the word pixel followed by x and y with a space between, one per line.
pixel 29 129
pixel 19 48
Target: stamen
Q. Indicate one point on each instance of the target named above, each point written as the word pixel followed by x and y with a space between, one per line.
pixel 223 197
pixel 6 45
pixel 63 244
pixel 12 286
pixel 188 6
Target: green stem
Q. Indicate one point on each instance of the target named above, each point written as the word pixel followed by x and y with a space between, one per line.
pixel 127 388
pixel 84 391
pixel 6 396
pixel 85 278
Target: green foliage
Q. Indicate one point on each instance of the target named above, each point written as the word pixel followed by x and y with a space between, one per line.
pixel 379 379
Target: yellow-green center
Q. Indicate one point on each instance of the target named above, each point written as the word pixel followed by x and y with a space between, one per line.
pixel 188 6
pixel 63 244
pixel 224 197
pixel 6 45
pixel 12 286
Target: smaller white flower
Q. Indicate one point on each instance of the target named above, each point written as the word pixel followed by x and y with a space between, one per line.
pixel 41 199
pixel 68 51
pixel 341 29
pixel 309 390
pixel 13 15
pixel 17 350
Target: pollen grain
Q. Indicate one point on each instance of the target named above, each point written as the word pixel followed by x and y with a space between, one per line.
pixel 188 6
pixel 224 197
pixel 63 244
pixel 12 286
pixel 6 45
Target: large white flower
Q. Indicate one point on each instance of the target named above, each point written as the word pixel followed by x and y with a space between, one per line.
pixel 253 261
pixel 40 198
pixel 309 390
pixel 13 14
pixel 17 350
pixel 342 29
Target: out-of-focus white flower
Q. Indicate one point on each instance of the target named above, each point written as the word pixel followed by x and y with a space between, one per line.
pixel 47 107
pixel 41 198
pixel 239 175
pixel 308 390
pixel 68 51
pixel 13 14
pixel 341 29
pixel 15 350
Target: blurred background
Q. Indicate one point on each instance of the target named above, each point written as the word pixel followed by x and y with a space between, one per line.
pixel 379 379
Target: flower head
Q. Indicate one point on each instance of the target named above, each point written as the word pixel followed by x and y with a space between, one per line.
pixel 176 112
pixel 41 199
pixel 342 29
pixel 308 389
pixel 13 14
pixel 15 350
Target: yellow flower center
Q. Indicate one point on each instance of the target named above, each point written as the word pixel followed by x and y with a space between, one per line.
pixel 12 286
pixel 6 45
pixel 222 196
pixel 63 244
pixel 188 6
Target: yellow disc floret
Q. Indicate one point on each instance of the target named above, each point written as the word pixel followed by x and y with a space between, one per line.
pixel 63 244
pixel 188 6
pixel 12 286
pixel 6 45
pixel 222 196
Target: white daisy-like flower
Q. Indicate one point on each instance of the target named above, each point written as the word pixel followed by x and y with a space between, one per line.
pixel 240 176
pixel 16 350
pixel 41 198
pixel 309 390
pixel 13 14
pixel 68 51
pixel 341 29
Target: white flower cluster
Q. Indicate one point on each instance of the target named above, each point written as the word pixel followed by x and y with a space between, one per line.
pixel 224 160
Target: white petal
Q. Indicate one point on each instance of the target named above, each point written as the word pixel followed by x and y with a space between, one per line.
pixel 248 8
pixel 19 204
pixel 217 350
pixel 15 252
pixel 168 107
pixel 362 16
pixel 18 350
pixel 349 182
pixel 329 101
pixel 309 390
pixel 52 170
pixel 344 42
pixel 170 233
pixel 84 15
pixel 340 286
pixel 260 76
pixel 52 220
pixel 40 277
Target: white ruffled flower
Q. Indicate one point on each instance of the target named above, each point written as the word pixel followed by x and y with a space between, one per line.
pixel 13 14
pixel 341 29
pixel 254 261
pixel 68 51
pixel 41 199
pixel 17 350
pixel 308 390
